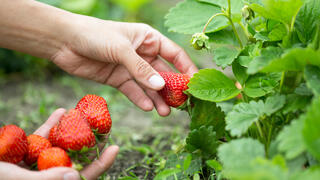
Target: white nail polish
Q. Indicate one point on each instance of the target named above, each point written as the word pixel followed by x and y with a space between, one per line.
pixel 156 81
pixel 71 176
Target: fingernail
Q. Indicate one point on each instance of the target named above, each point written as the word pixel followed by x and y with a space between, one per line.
pixel 156 81
pixel 71 176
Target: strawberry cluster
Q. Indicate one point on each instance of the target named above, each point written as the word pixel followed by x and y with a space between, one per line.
pixel 76 132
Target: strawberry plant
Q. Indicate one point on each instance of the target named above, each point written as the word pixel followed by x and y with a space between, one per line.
pixel 264 122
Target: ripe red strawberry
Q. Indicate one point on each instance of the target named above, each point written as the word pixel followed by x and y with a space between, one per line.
pixel 53 157
pixel 73 132
pixel 53 135
pixel 13 144
pixel 172 93
pixel 36 144
pixel 94 109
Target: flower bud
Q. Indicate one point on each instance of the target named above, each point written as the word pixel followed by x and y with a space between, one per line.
pixel 247 13
pixel 200 41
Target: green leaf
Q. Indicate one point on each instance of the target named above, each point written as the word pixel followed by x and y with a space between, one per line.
pixel 290 139
pixel 242 116
pixel 296 102
pixel 259 169
pixel 190 16
pixel 202 116
pixel 167 173
pixel 267 55
pixel 225 55
pixel 312 76
pixel 294 60
pixel 308 174
pixel 239 72
pixel 261 84
pixel 274 103
pixel 245 60
pixel 307 20
pixel 303 90
pixel 236 5
pixel 212 85
pixel 279 10
pixel 214 164
pixel 311 132
pixel 196 141
pixel 277 33
pixel 187 162
pixel 181 160
pixel 225 36
pixel 240 152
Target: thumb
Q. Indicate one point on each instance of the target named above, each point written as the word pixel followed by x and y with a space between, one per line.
pixel 59 173
pixel 141 70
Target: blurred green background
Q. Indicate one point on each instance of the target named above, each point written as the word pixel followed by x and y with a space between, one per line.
pixel 32 88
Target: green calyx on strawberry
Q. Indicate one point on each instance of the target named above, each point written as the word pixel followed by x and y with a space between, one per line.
pixel 73 132
pixel 13 144
pixel 173 91
pixel 200 41
pixel 95 110
pixel 36 144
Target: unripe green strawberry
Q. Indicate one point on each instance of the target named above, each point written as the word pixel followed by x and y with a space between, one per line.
pixel 73 132
pixel 36 144
pixel 176 83
pixel 13 144
pixel 95 110
pixel 53 157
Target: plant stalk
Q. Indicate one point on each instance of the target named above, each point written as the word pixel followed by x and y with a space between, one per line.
pixel 282 80
pixel 209 21
pixel 232 24
pixel 259 129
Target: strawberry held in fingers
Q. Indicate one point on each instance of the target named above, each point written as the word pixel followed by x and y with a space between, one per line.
pixel 176 83
pixel 53 157
pixel 95 111
pixel 36 144
pixel 73 132
pixel 13 144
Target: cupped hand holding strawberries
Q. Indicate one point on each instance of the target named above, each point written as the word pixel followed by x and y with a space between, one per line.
pixel 127 56
pixel 64 134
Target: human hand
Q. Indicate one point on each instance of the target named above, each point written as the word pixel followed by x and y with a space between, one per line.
pixel 92 171
pixel 126 56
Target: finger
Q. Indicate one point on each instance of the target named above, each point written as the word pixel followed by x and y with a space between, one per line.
pixel 44 129
pixel 13 172
pixel 162 108
pixel 159 65
pixel 177 56
pixel 98 167
pixel 59 173
pixel 134 92
pixel 141 70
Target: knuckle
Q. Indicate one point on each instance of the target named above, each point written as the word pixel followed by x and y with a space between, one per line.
pixel 114 53
pixel 143 68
